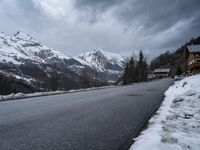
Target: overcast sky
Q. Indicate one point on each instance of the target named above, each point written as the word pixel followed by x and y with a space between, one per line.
pixel 122 26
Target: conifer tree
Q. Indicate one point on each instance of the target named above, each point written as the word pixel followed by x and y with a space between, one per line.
pixel 135 71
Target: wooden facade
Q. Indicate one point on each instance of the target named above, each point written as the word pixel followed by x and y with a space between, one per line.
pixel 193 55
pixel 162 73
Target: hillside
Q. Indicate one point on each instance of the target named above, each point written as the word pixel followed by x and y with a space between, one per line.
pixel 27 65
pixel 110 64
pixel 174 59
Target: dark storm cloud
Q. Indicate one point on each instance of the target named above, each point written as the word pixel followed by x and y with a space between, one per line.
pixel 153 18
pixel 95 8
pixel 159 15
pixel 97 4
pixel 155 15
pixel 114 25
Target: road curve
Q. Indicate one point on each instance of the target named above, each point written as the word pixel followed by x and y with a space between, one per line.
pixel 105 119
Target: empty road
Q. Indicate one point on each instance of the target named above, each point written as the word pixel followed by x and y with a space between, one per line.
pixel 105 119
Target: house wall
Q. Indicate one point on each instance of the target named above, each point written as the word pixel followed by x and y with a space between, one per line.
pixel 161 75
pixel 194 63
pixel 194 58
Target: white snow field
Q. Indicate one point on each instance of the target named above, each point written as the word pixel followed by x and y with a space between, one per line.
pixel 176 125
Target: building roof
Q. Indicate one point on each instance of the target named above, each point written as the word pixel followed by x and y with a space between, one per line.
pixel 194 48
pixel 162 70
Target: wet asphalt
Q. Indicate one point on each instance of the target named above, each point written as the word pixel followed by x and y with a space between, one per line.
pixel 105 119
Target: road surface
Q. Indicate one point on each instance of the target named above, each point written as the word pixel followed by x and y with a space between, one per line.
pixel 105 119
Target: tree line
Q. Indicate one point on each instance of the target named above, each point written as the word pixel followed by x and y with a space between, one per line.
pixel 136 70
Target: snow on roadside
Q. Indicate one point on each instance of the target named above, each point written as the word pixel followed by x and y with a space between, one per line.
pixel 37 94
pixel 176 125
pixel 22 95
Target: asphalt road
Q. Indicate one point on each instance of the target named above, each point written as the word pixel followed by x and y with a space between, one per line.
pixel 105 119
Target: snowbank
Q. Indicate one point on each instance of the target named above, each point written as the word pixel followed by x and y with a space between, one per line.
pixel 37 94
pixel 22 95
pixel 176 126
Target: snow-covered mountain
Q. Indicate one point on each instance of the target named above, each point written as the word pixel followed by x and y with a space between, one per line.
pixel 103 61
pixel 26 63
pixel 20 48
pixel 24 58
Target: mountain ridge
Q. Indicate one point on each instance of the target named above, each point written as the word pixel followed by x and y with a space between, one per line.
pixel 24 58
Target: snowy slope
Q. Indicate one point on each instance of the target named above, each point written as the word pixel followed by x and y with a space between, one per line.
pixel 102 61
pixel 22 55
pixel 19 48
pixel 25 62
pixel 177 123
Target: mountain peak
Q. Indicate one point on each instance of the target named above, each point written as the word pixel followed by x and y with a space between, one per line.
pixel 22 36
pixel 108 55
pixel 17 33
pixel 20 47
pixel 98 50
pixel 103 60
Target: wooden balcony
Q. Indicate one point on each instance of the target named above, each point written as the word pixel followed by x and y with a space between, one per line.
pixel 194 65
pixel 194 68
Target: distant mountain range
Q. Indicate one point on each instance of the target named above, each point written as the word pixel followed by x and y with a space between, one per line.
pixel 27 65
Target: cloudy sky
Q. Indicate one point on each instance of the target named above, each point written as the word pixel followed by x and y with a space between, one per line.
pixel 122 26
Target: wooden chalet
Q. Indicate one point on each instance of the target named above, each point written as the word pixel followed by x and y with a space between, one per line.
pixel 193 55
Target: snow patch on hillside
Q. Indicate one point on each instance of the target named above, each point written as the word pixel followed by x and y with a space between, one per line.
pixel 99 59
pixel 19 47
pixel 20 51
pixel 177 123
